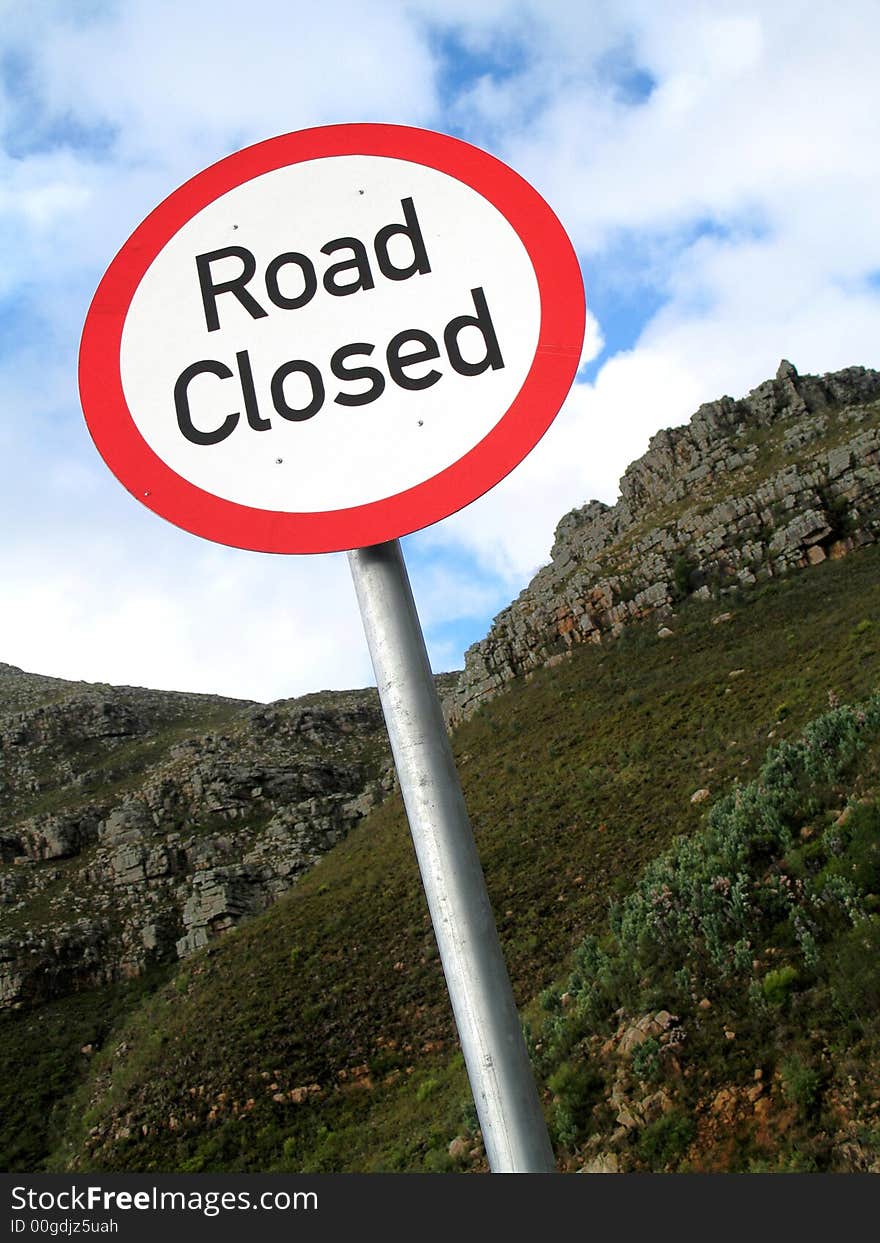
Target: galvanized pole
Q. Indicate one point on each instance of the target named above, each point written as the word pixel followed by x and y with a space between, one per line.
pixel 498 1066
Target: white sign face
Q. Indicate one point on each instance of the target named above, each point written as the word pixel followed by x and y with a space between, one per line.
pixel 373 319
pixel 331 339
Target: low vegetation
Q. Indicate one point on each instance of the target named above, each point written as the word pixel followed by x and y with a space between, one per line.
pixel 761 932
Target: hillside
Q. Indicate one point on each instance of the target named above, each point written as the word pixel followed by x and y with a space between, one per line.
pixel 335 1050
pixel 169 859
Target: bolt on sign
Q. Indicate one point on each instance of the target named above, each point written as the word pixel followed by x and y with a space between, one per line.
pixel 331 339
pixel 321 343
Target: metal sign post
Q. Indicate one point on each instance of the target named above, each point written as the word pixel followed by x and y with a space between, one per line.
pixel 494 1050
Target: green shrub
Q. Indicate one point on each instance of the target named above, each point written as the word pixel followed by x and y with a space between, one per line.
pixel 801 1084
pixel 854 970
pixel 665 1141
pixel 438 1161
pixel 426 1089
pixel 576 1089
pixel 549 1000
pixel 646 1059
pixel 859 857
pixel 681 576
pixel 778 984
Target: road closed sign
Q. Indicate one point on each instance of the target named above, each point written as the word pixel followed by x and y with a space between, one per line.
pixel 331 339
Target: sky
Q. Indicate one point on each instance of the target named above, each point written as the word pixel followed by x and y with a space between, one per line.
pixel 714 164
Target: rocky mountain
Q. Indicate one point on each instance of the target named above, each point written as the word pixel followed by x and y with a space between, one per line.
pixel 749 489
pixel 138 824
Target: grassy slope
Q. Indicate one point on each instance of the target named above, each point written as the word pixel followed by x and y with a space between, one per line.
pixel 574 781
pixel 41 1061
pixel 761 932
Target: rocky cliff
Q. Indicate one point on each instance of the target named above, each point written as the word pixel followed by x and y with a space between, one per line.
pixel 138 824
pixel 748 489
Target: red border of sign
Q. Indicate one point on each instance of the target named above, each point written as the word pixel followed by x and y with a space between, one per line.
pixel 544 389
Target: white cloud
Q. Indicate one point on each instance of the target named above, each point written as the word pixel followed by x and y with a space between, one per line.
pixel 594 342
pixel 177 79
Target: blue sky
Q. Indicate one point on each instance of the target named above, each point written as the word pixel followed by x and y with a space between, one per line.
pixel 715 165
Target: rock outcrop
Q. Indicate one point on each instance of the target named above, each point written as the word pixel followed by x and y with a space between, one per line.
pixel 749 489
pixel 137 825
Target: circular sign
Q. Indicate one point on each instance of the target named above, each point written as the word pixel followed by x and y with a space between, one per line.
pixel 331 339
